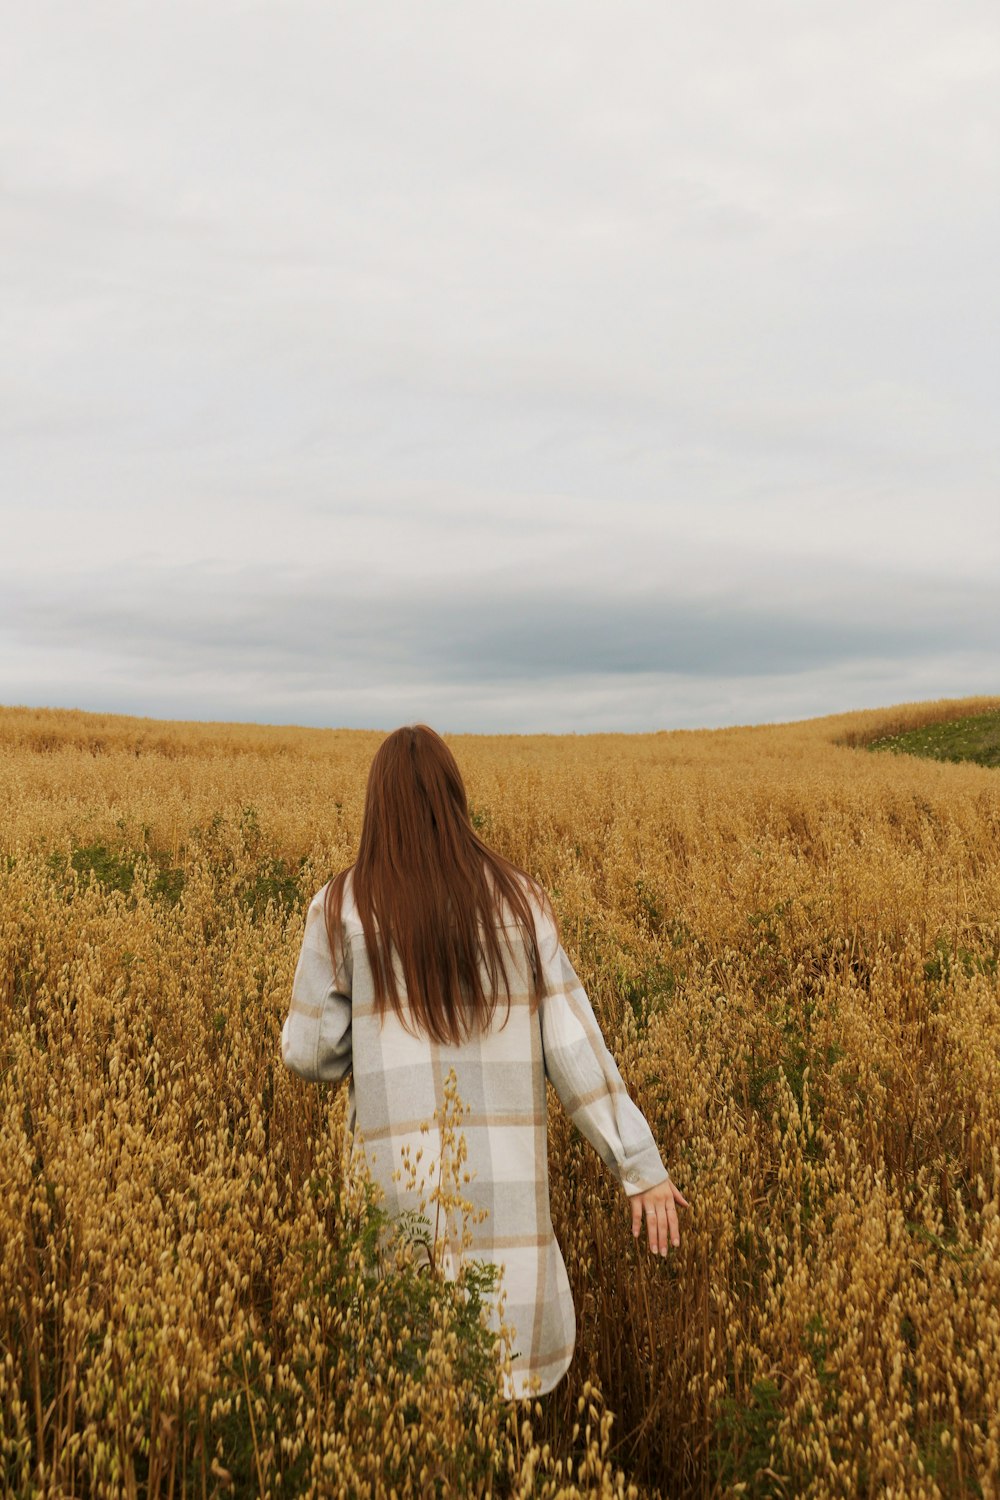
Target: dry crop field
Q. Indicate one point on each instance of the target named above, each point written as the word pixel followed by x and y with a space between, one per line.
pixel 792 944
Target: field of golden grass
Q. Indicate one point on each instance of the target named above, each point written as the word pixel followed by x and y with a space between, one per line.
pixel 793 948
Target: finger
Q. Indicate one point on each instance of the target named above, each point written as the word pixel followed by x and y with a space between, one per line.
pixel 675 1233
pixel 677 1196
pixel 651 1225
pixel 636 1215
pixel 661 1227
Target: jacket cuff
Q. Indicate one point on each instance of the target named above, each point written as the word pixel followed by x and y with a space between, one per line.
pixel 643 1171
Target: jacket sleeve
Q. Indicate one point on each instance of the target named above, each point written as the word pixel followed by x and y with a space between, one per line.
pixel 586 1076
pixel 316 1036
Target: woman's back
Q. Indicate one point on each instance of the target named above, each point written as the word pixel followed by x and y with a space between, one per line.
pixel 399 983
pixel 397 1085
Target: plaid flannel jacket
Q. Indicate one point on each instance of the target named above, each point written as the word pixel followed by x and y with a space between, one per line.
pixel 396 1085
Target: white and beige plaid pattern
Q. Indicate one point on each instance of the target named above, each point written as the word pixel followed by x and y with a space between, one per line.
pixel 397 1084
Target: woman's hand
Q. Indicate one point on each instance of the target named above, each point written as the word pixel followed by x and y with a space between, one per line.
pixel 659 1204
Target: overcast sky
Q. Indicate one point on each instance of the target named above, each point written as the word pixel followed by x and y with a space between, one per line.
pixel 507 366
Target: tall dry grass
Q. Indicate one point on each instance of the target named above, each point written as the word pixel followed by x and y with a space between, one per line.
pixel 793 947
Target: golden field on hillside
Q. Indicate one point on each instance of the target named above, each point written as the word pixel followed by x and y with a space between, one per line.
pixel 793 948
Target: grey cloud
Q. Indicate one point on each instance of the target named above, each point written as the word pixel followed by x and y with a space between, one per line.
pixel 492 630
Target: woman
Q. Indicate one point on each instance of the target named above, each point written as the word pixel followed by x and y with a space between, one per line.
pixel 479 983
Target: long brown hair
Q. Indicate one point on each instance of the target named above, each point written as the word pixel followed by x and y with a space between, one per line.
pixel 434 888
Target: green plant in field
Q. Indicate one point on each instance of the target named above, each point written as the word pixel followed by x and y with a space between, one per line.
pixel 380 1311
pixel 975 738
pixel 481 820
pixel 650 992
pixel 744 1440
pixel 115 869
